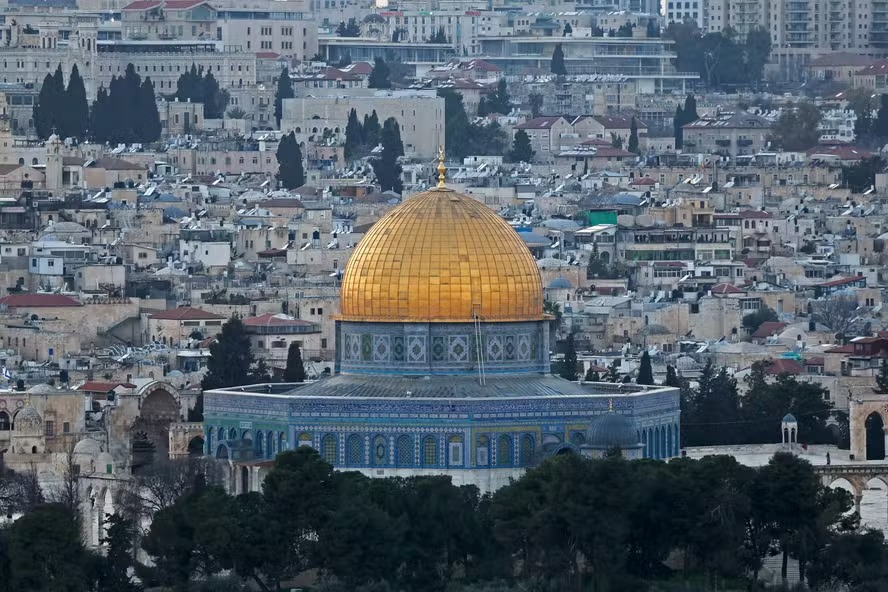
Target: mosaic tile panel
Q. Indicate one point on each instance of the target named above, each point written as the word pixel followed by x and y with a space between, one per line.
pixel 458 348
pixel 416 348
pixel 381 348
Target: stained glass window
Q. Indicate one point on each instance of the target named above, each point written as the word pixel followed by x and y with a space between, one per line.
pixel 355 450
pixel 328 448
pixel 405 451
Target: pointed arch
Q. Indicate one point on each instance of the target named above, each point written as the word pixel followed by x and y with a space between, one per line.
pixel 526 450
pixel 504 451
pixel 404 451
pixel 379 452
pixel 354 451
pixel 328 448
pixel 429 451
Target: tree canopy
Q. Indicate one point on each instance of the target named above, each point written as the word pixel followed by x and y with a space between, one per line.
pixel 521 148
pixel 284 91
pixel 557 64
pixel 126 112
pixel 463 137
pixel 721 58
pixel 379 76
pixel 796 130
pixel 231 361
pixel 291 170
pixel 60 110
pixel 197 87
pixel 386 166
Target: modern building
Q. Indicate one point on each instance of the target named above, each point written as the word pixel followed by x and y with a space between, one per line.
pixel 729 134
pixel 442 367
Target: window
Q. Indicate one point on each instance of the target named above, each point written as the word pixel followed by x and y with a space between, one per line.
pixel 304 439
pixel 324 343
pixel 429 451
pixel 577 439
pixel 4 421
pixel 328 448
pixel 482 451
pixel 405 451
pixel 380 452
pixel 354 450
pixel 49 429
pixel 455 451
pixel 525 451
pixel 503 451
pixel 66 427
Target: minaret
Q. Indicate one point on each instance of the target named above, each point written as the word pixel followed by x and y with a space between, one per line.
pixel 54 163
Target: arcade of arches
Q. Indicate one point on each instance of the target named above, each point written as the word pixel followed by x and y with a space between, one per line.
pixel 150 432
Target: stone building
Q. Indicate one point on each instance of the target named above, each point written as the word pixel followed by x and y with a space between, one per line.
pixel 442 367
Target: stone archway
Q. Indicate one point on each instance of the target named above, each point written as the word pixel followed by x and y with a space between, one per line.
pixel 874 504
pixel 866 408
pixel 150 432
pixel 196 446
pixel 875 436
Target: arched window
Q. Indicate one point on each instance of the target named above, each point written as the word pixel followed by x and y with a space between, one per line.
pixel 220 434
pixel 21 161
pixel 260 445
pixel 525 450
pixel 482 451
pixel 34 161
pixel 577 439
pixel 304 439
pixel 429 451
pixel 405 451
pixel 328 448
pixel 379 454
pixel 354 451
pixel 232 434
pixel 282 440
pixel 269 444
pixel 455 451
pixel 4 421
pixel 504 451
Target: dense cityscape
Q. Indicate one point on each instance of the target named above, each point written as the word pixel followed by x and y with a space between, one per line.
pixel 443 295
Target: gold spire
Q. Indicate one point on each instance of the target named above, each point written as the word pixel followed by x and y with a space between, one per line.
pixel 442 170
pixel 610 405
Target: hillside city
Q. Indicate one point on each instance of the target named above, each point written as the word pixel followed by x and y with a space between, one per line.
pixel 443 295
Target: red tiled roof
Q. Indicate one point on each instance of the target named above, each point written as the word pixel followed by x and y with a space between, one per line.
pixel 841 282
pixel 768 329
pixel 841 349
pixel 611 152
pixel 267 55
pixel 618 121
pixel 185 313
pixel 275 320
pixel 103 387
pixel 182 4
pixel 841 59
pixel 38 300
pixel 539 122
pixel 643 181
pixel 783 366
pixel 142 5
pixel 358 68
pixel 726 289
pixel 818 361
pixel 878 67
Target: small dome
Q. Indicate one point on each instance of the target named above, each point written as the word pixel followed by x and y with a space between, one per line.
pixel 27 419
pixel 612 430
pixel 560 283
pixel 789 418
pixel 42 389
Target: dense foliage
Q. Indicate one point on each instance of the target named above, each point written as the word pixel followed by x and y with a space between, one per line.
pixel 197 87
pixel 462 137
pixel 291 170
pixel 231 361
pixel 126 112
pixel 386 166
pixel 284 91
pixel 722 58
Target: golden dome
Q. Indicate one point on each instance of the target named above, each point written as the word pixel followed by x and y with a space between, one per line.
pixel 440 257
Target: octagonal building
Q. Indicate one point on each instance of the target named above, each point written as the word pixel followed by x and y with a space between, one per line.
pixel 442 364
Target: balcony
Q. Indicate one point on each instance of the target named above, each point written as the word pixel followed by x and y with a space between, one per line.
pixel 744 142
pixel 723 142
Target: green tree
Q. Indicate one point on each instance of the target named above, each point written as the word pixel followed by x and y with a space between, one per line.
pixel 231 361
pixel 592 375
pixel 379 76
pixel 498 101
pixel 46 553
pixel 645 371
pixel 616 141
pixel 557 66
pixel 882 378
pixel 568 368
pixel 49 109
pixel 214 99
pixel 880 125
pixel 672 377
pixel 371 130
pixel 456 123
pixel 758 50
pixel 76 107
pixel 351 28
pixel 753 321
pixel 568 30
pixel 766 402
pixel 439 36
pixel 715 402
pixel 114 576
pixel 295 370
pixel 284 91
pixel 146 124
pixel 862 176
pixel 291 171
pixel 521 148
pixel 99 125
pixel 677 123
pixel 862 102
pixel 633 137
pixel 354 136
pixel 386 166
pixel 796 129
pixel 535 101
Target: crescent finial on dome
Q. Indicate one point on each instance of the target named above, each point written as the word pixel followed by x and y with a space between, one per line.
pixel 442 170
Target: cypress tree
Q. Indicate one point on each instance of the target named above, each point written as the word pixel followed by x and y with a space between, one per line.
pixel 557 66
pixel 568 367
pixel 291 173
pixel 76 106
pixel 213 98
pixel 284 91
pixel 646 371
pixel 43 109
pixel 633 137
pixel 98 117
pixel 148 124
pixel 371 130
pixel 353 135
pixel 690 109
pixel 386 166
pixel 521 148
pixel 677 122
pixel 295 371
pixel 379 76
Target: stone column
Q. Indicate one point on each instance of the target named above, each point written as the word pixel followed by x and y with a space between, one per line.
pixel 885 432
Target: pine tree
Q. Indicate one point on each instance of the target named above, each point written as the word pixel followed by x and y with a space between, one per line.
pixel 521 148
pixel 118 540
pixel 295 371
pixel 231 361
pixel 557 66
pixel 291 173
pixel 645 371
pixel 284 91
pixel 568 367
pixel 76 106
pixel 633 137
pixel 677 122
pixel 386 166
pixel 499 100
pixel 379 76
pixel 354 135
